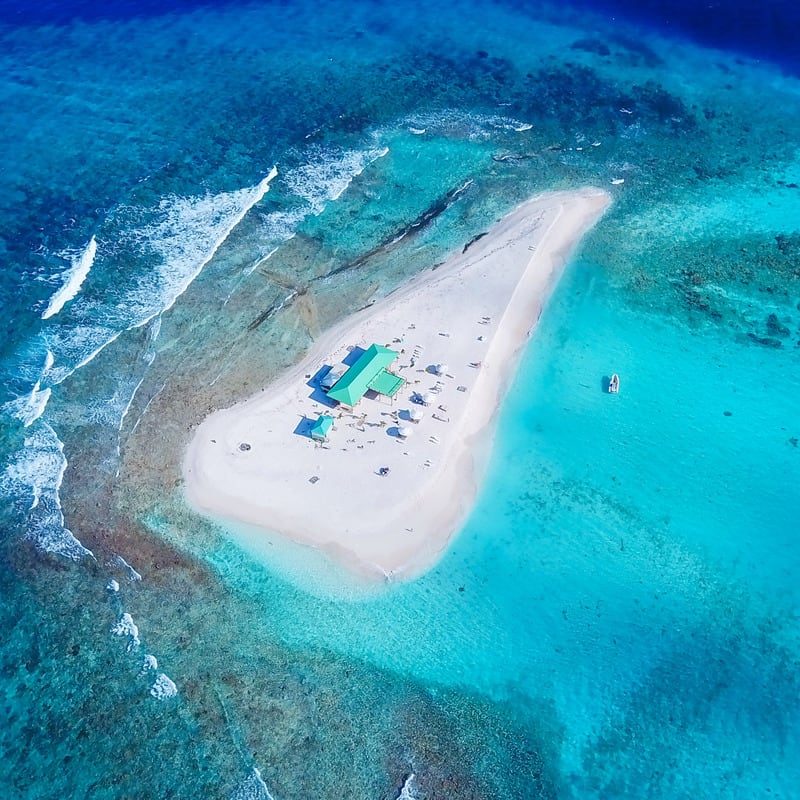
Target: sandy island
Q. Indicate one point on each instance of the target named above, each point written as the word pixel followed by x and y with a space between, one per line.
pixel 255 463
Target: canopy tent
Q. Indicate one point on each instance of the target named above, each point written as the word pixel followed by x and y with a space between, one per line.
pixel 320 427
pixel 416 414
pixel 386 383
pixel 403 432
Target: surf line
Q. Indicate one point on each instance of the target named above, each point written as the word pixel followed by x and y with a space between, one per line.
pixel 74 278
pixel 252 195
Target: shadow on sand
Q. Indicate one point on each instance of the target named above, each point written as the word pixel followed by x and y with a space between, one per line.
pixel 303 427
pixel 317 392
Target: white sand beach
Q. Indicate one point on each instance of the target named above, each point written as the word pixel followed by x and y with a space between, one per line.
pixel 255 463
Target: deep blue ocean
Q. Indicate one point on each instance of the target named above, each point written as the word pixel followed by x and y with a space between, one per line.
pixel 185 189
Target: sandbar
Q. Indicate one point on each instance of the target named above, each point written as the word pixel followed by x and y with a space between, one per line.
pixel 255 463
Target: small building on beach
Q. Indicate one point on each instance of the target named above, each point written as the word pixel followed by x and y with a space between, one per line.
pixel 320 428
pixel 369 373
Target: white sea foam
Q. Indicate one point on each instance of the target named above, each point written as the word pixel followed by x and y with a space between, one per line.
pixel 462 124
pixel 120 563
pixel 187 236
pixel 37 470
pixel 149 663
pixel 406 791
pixel 163 687
pixel 155 331
pixel 328 173
pixel 76 346
pixel 179 236
pixel 36 405
pixel 112 410
pixel 145 410
pixel 323 177
pixel 73 279
pixel 28 408
pixel 280 226
pixel 129 404
pixel 252 787
pixel 260 262
pixel 126 628
pixel 508 124
pixel 280 306
pixel 112 586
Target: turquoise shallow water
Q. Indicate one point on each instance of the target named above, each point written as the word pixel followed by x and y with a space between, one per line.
pixel 618 617
pixel 597 553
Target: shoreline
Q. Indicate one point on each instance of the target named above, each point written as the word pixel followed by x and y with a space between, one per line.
pixel 475 312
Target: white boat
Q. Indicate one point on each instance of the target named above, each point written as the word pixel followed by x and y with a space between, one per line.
pixel 613 384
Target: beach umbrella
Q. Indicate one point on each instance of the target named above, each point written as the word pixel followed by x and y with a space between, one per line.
pixel 403 432
pixel 416 414
pixel 428 398
pixel 441 369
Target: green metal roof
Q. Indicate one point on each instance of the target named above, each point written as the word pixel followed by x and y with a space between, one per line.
pixel 321 426
pixel 386 383
pixel 353 385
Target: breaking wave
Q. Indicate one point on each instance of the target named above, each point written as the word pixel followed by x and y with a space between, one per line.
pixel 173 241
pixel 252 788
pixel 118 562
pixel 126 628
pixel 406 791
pixel 328 173
pixel 321 176
pixel 151 255
pixel 163 687
pixel 73 279
pixel 29 407
pixel 462 124
pixel 34 476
